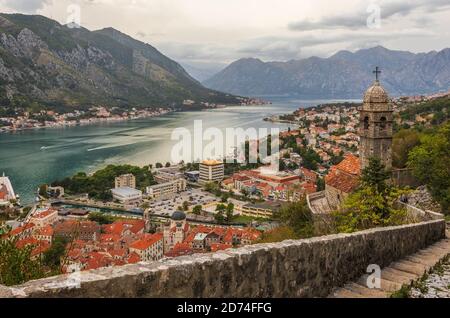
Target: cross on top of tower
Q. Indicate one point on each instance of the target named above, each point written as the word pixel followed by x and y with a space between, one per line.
pixel 377 72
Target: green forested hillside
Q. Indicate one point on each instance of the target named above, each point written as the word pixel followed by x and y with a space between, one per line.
pixel 59 67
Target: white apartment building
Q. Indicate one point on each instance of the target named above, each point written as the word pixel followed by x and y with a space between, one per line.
pixel 125 180
pixel 167 188
pixel 211 171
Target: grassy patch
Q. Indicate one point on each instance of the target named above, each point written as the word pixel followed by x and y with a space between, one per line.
pixel 404 292
pixel 248 219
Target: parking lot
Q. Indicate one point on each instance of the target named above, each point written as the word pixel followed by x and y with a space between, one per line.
pixel 166 206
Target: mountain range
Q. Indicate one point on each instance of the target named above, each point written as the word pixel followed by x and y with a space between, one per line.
pixel 343 75
pixel 48 63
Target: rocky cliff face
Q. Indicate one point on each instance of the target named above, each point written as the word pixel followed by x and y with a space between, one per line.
pixel 344 74
pixel 43 61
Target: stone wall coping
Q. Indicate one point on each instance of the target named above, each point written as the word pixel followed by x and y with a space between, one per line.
pixel 53 285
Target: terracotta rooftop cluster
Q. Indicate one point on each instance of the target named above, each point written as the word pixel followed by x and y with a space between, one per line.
pixel 214 239
pixel 114 247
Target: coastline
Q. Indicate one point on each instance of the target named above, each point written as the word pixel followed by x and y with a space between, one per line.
pixel 86 122
pixel 116 119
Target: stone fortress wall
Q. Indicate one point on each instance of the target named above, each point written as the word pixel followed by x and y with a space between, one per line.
pixel 303 268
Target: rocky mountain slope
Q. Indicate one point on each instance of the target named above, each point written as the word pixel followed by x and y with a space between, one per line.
pixel 344 74
pixel 50 64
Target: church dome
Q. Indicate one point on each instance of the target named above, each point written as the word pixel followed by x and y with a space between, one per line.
pixel 178 216
pixel 376 94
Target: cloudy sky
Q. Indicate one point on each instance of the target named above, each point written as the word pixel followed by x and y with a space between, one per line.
pixel 215 32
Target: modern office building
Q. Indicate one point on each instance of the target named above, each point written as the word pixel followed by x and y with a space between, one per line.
pixel 167 188
pixel 211 171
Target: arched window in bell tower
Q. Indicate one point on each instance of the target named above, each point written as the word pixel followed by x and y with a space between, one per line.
pixel 383 123
pixel 366 123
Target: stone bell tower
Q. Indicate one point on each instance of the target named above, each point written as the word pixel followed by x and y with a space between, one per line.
pixel 376 125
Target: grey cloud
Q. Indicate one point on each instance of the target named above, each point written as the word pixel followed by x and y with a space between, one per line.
pixel 26 6
pixel 285 48
pixel 275 48
pixel 357 19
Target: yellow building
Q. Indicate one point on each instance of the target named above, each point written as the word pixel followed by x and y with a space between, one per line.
pixel 211 171
pixel 125 181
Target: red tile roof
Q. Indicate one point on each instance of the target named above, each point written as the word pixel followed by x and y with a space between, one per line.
pixel 44 214
pixel 228 181
pixel 133 258
pixel 147 241
pixel 251 234
pixel 25 242
pixel 97 260
pixel 350 165
pixel 180 249
pixel 109 238
pixel 309 174
pixel 342 181
pixel 39 247
pixel 345 176
pixel 239 177
pixel 21 229
pixel 45 231
pixel 220 247
pixel 118 227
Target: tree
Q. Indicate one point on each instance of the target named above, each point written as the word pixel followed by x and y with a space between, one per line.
pixel 168 164
pixel 320 184
pixel 230 212
pixel 197 210
pixel 430 163
pixel 368 208
pixel 158 165
pixel 17 265
pixel 101 218
pixel 335 160
pixel 225 197
pixel 282 165
pixel 375 175
pixel 297 216
pixel 99 184
pixel 220 209
pixel 404 141
pixel 219 217
pixel 185 206
pixel 212 187
pixel 374 204
pixel 52 257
